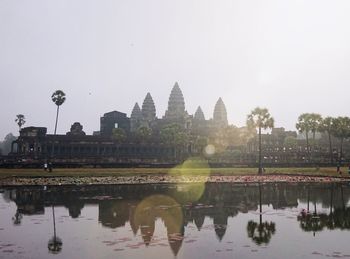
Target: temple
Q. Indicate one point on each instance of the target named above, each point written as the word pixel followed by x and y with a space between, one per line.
pixel 121 139
pixel 143 139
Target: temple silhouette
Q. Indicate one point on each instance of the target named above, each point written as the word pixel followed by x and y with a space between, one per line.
pixel 122 139
pixel 143 139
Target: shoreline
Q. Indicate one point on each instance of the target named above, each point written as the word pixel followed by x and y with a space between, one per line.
pixel 17 181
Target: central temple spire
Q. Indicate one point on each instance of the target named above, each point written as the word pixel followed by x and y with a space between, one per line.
pixel 176 104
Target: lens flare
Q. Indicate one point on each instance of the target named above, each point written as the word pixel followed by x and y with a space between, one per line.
pixel 192 176
pixel 209 150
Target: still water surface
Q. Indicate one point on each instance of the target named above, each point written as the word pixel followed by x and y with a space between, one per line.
pixel 176 221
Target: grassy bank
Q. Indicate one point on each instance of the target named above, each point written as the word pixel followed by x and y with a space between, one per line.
pixel 324 171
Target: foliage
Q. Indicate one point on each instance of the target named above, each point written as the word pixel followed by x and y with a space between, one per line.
pixel 58 97
pixel 327 125
pixel 261 233
pixel 173 134
pixel 260 118
pixel 228 136
pixel 20 120
pixel 118 134
pixel 303 124
pixel 315 121
pixel 341 127
pixel 201 142
pixel 290 142
pixel 246 134
pixel 309 122
pixel 341 131
pixel 143 133
pixel 55 245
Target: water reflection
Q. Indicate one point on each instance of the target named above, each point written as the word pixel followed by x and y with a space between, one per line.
pixel 337 218
pixel 141 206
pixel 55 243
pixel 261 232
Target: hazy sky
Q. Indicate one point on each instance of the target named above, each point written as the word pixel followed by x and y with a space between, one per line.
pixel 291 56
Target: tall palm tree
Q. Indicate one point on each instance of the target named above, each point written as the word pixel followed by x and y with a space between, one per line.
pixel 58 97
pixel 260 118
pixel 20 120
pixel 55 243
pixel 303 125
pixel 261 232
pixel 341 131
pixel 327 126
pixel 315 121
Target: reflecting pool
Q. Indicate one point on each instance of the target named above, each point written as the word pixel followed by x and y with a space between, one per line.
pixel 277 220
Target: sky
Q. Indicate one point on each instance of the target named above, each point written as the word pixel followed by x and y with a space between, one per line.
pixel 290 56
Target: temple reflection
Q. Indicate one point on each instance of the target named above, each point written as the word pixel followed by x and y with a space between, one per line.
pixel 141 206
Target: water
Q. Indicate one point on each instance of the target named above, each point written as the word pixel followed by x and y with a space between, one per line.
pixel 182 221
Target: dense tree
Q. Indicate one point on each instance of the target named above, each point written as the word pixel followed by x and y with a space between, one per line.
pixel 225 137
pixel 118 134
pixel 327 126
pixel 303 126
pixel 309 122
pixel 341 131
pixel 290 142
pixel 201 142
pixel 58 97
pixel 20 120
pixel 260 118
pixel 173 134
pixel 143 134
pixel 315 121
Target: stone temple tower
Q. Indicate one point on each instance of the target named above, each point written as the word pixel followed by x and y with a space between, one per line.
pixel 148 109
pixel 176 104
pixel 199 115
pixel 135 118
pixel 220 114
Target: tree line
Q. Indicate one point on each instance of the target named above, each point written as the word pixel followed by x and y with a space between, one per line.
pixel 259 119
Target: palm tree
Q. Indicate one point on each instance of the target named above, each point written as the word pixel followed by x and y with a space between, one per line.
pixel 260 118
pixel 58 97
pixel 315 121
pixel 55 243
pixel 341 131
pixel 303 125
pixel 327 126
pixel 261 232
pixel 309 122
pixel 20 120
